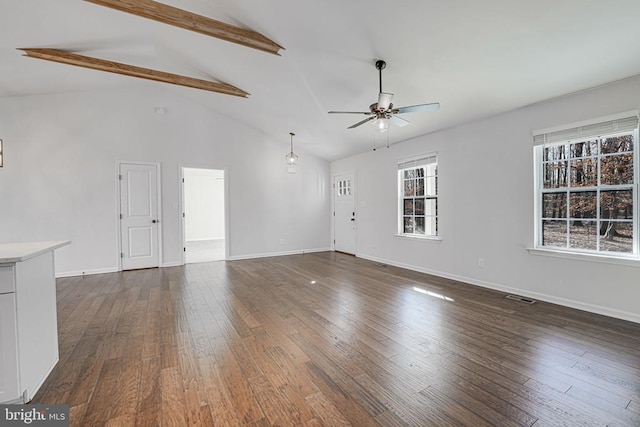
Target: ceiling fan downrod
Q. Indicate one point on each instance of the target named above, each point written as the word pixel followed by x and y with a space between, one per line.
pixel 380 65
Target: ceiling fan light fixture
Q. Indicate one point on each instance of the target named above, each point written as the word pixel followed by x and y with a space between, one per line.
pixel 291 157
pixel 382 124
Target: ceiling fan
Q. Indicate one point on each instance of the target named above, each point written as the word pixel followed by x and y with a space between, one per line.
pixel 382 112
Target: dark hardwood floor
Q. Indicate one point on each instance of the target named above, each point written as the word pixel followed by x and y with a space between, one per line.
pixel 330 339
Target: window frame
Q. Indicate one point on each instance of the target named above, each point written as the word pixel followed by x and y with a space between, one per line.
pixel 423 162
pixel 539 191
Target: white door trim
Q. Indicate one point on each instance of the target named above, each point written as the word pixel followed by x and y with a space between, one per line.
pixel 183 233
pixel 118 206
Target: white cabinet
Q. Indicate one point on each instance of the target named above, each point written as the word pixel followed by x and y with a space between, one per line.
pixel 28 319
pixel 7 279
pixel 8 349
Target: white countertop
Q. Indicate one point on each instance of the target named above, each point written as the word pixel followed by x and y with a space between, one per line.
pixel 22 251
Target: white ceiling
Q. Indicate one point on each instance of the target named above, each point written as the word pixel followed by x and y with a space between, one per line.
pixel 477 58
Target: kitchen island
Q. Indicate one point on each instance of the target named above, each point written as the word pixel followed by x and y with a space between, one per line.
pixel 28 318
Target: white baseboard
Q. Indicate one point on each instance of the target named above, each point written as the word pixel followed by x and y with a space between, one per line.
pixel 179 263
pixel 592 308
pixel 272 254
pixel 171 264
pixel 86 272
pixel 105 270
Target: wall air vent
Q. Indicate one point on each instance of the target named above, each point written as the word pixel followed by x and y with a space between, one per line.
pixel 521 299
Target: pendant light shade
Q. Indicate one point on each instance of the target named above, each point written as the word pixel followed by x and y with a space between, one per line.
pixel 291 157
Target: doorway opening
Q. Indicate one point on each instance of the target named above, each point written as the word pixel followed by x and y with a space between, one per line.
pixel 204 215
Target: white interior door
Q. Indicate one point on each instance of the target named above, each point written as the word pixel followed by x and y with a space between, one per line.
pixel 139 216
pixel 344 219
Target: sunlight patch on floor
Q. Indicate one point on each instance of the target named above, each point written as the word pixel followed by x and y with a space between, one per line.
pixel 432 294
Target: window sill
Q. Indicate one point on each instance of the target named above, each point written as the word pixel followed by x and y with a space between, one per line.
pixel 434 239
pixel 618 260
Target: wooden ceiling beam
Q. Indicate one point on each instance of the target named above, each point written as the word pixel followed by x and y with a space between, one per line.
pixel 130 70
pixel 201 24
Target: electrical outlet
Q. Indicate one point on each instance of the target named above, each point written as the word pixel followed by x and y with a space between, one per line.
pixel 481 262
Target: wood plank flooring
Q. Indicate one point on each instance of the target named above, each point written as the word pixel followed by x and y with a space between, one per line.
pixel 328 339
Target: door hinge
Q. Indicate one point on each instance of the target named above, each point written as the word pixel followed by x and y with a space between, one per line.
pixel 182 214
pixel 120 177
pixel 334 213
pixel 184 249
pixel 120 216
pixel 183 180
pixel 121 255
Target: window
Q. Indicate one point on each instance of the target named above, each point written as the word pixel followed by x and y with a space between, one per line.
pixel 344 187
pixel 587 188
pixel 418 197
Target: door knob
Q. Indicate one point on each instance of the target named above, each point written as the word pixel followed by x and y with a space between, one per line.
pixel 154 221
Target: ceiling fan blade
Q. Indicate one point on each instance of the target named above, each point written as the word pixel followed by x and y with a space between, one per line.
pixel 368 119
pixel 417 108
pixel 384 100
pixel 398 121
pixel 349 112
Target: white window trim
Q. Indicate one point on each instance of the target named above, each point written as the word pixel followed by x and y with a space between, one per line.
pixel 407 163
pixel 616 258
pixel 572 253
pixel 435 239
pixel 583 123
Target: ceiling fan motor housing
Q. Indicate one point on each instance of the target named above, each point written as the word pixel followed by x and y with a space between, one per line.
pixel 375 109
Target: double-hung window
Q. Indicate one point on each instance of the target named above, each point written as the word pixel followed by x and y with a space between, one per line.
pixel 418 196
pixel 587 188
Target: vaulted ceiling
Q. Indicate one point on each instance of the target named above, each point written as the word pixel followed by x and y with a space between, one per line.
pixel 477 58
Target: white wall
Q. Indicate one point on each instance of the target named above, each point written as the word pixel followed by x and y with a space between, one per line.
pixel 59 178
pixel 486 207
pixel 204 204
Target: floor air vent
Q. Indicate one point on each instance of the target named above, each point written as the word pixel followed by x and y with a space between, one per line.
pixel 521 299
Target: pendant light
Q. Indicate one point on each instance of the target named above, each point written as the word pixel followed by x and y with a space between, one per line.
pixel 291 158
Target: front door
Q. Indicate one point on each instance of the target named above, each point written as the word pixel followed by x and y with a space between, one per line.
pixel 139 215
pixel 344 220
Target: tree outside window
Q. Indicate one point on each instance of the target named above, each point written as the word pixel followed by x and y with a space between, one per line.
pixel 418 197
pixel 587 194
